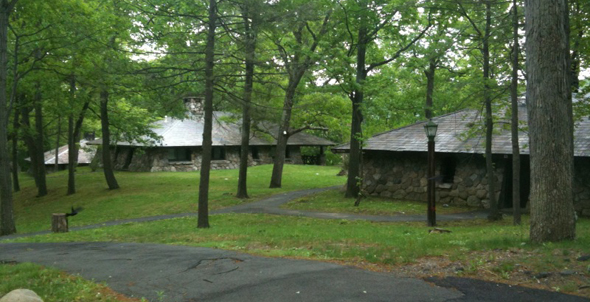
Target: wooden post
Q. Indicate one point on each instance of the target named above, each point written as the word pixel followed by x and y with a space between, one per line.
pixel 59 223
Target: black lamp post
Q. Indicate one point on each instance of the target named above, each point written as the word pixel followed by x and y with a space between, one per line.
pixel 430 129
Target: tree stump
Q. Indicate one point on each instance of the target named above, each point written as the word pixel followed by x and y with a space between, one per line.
pixel 59 223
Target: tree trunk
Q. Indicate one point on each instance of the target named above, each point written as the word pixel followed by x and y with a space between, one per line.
pixel 550 120
pixel 494 211
pixel 29 140
pixel 15 128
pixel 283 136
pixel 7 225
pixel 353 184
pixel 250 48
pixel 57 142
pixel 107 164
pixel 74 138
pixel 39 154
pixel 203 215
pixel 514 124
pixel 430 72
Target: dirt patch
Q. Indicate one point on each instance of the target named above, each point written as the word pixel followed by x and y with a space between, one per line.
pixel 559 272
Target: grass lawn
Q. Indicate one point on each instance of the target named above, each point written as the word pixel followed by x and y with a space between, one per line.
pixel 333 202
pixel 54 286
pixel 150 194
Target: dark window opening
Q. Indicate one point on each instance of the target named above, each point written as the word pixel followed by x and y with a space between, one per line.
pixel 179 154
pixel 287 153
pixel 218 153
pixel 447 169
pixel 255 154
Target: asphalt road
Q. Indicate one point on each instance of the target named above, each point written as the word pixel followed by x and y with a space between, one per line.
pixel 181 273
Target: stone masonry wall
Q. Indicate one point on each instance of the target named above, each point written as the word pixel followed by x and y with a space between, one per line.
pixel 156 159
pixel 403 176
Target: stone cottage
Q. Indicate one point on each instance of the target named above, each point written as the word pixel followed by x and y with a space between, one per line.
pixel 395 162
pixel 180 145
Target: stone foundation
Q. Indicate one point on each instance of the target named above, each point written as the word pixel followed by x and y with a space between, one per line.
pixel 156 159
pixel 403 176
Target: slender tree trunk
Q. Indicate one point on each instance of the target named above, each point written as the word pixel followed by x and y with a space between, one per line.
pixel 203 215
pixel 39 154
pixel 15 128
pixel 250 48
pixel 107 164
pixel 7 225
pixel 514 124
pixel 57 142
pixel 283 136
pixel 73 139
pixel 494 210
pixel 353 184
pixel 550 120
pixel 430 72
pixel 29 140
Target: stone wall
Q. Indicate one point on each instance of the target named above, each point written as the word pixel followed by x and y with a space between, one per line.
pixel 402 175
pixel 156 159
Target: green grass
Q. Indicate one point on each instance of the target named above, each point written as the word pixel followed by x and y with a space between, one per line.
pixel 334 202
pixel 383 243
pixel 150 194
pixel 53 285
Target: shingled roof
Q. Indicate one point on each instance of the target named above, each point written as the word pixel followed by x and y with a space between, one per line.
pixel 189 133
pixel 85 154
pixel 462 132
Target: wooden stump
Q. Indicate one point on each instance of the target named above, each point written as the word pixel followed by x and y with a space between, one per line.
pixel 59 223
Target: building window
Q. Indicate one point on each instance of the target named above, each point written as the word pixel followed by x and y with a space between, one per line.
pixel 287 152
pixel 218 153
pixel 179 154
pixel 255 154
pixel 447 169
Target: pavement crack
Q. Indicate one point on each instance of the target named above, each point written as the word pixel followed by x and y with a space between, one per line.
pixel 231 270
pixel 236 260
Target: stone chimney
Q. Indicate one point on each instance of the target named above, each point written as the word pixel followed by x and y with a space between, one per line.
pixel 194 106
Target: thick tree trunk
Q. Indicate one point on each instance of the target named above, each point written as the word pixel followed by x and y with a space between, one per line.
pixel 550 120
pixel 15 128
pixel 514 124
pixel 38 141
pixel 203 209
pixel 7 225
pixel 107 164
pixel 353 183
pixel 250 48
pixel 430 72
pixel 494 210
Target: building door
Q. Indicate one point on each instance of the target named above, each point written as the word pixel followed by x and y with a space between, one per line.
pixel 525 182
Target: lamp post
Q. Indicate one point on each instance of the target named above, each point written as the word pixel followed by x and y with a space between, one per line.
pixel 430 129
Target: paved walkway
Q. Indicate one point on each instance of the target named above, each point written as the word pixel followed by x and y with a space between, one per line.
pixel 187 274
pixel 272 205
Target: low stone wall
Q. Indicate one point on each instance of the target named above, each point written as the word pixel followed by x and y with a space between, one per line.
pixel 402 175
pixel 156 159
